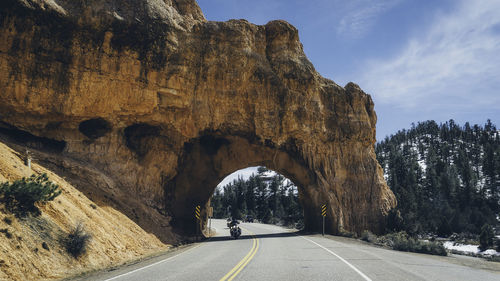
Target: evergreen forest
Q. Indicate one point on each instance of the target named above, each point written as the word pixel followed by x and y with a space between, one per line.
pixel 266 196
pixel 446 177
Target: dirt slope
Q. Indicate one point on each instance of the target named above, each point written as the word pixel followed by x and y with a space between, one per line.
pixel 115 238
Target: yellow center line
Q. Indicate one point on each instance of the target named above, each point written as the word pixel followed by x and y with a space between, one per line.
pixel 246 262
pixel 239 267
pixel 240 263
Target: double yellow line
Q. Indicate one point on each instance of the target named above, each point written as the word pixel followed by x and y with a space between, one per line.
pixel 239 267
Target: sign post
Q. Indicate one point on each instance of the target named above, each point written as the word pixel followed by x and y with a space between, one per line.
pixel 28 159
pixel 323 214
pixel 197 215
pixel 210 215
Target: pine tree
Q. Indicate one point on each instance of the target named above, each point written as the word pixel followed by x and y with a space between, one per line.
pixel 486 237
pixel 443 171
pixel 21 195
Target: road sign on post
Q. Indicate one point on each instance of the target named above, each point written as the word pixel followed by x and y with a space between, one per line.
pixel 197 215
pixel 323 214
pixel 197 212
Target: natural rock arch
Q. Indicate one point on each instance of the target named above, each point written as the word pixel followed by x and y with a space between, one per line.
pixel 141 94
pixel 212 157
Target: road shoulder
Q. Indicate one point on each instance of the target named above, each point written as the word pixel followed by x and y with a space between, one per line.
pixel 134 264
pixel 472 262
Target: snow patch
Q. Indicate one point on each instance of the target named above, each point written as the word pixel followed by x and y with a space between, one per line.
pixel 469 249
pixel 491 252
pixel 461 247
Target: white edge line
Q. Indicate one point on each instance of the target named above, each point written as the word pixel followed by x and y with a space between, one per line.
pixel 153 264
pixel 346 262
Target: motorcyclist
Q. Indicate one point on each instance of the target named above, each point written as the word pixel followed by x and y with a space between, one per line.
pixel 234 222
pixel 234 229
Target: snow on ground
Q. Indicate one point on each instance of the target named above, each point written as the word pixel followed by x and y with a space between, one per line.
pixel 469 249
pixel 461 247
pixel 491 252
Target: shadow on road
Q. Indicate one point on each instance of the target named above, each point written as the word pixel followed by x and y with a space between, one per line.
pixel 249 236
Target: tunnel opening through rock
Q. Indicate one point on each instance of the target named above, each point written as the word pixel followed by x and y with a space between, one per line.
pixel 210 159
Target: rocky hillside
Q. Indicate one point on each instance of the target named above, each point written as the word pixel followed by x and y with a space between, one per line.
pixel 31 247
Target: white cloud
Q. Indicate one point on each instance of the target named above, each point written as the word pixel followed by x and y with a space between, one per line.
pixel 455 60
pixel 361 15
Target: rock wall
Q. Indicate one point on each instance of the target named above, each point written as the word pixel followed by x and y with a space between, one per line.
pixel 166 104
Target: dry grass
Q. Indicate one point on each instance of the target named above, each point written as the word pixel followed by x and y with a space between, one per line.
pixel 36 240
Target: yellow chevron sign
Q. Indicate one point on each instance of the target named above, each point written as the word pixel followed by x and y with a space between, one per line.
pixel 323 210
pixel 197 211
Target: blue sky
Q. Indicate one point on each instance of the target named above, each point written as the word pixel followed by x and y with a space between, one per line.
pixel 418 59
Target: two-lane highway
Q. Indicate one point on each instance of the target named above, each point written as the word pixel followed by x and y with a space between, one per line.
pixel 266 252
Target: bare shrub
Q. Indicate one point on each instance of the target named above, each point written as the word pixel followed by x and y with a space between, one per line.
pixel 77 241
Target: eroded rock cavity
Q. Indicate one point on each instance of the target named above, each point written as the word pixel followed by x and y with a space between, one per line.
pixel 146 107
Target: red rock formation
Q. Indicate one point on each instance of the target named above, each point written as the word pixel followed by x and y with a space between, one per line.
pixel 147 106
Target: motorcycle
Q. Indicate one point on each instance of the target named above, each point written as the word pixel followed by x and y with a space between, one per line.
pixel 234 229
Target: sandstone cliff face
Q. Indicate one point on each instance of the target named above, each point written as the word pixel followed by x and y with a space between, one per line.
pixel 166 104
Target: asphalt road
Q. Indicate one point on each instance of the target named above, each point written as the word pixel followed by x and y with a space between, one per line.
pixel 266 252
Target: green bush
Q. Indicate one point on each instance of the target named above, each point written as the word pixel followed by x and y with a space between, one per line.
pixel 389 239
pixel 465 238
pixel 77 241
pixel 368 236
pixel 498 245
pixel 493 258
pixel 21 195
pixel 346 233
pixel 486 237
pixel 299 224
pixel 401 241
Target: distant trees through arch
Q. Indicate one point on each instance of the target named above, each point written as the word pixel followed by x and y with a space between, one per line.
pixel 265 195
